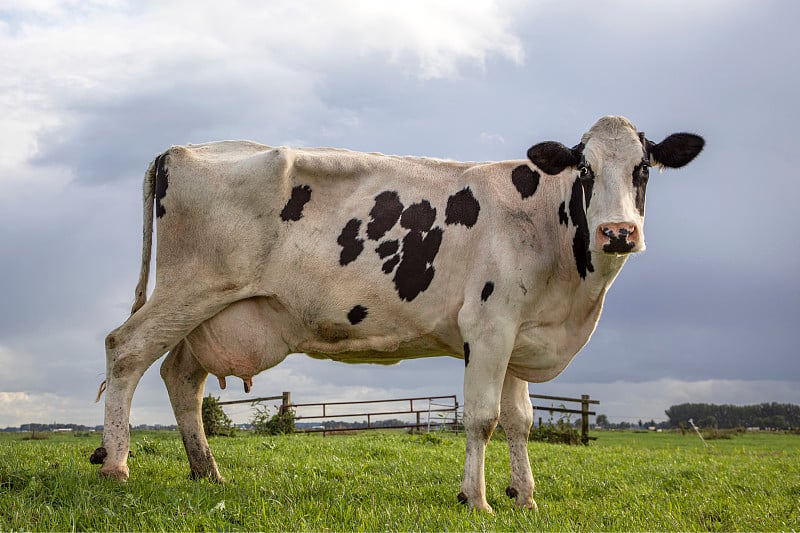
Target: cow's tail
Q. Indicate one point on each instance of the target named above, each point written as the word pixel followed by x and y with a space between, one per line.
pixel 148 199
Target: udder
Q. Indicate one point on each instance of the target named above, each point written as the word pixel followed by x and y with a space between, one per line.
pixel 241 340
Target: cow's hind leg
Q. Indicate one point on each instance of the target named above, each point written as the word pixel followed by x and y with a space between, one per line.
pixel 516 418
pixel 185 378
pixel 130 349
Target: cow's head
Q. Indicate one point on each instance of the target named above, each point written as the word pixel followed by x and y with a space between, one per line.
pixel 612 163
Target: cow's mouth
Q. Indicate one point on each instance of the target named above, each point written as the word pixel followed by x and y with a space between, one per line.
pixel 619 244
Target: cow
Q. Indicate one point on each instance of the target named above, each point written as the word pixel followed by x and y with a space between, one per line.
pixel 371 258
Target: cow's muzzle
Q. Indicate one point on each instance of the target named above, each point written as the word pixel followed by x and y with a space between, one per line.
pixel 618 238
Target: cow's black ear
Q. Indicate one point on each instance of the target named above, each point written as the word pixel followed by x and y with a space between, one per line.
pixel 676 150
pixel 553 157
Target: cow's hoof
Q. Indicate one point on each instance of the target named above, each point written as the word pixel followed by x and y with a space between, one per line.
pixel 119 473
pixel 98 456
pixel 483 506
pixel 526 503
pixel 212 476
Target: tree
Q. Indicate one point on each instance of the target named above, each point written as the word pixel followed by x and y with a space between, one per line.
pixel 601 420
pixel 215 421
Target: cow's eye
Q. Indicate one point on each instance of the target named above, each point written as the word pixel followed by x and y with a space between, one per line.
pixel 645 170
pixel 586 172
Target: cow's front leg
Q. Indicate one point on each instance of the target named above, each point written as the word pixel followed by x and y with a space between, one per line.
pixel 516 418
pixel 486 358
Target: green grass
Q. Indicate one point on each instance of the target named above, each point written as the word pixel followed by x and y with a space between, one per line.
pixel 390 481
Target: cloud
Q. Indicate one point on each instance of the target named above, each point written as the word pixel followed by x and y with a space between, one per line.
pixel 93 90
pixel 96 88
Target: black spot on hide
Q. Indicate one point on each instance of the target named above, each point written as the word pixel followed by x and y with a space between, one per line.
pixel 487 291
pixel 389 265
pixel 384 214
pixel 293 210
pixel 387 248
pixel 580 243
pixel 525 180
pixel 466 354
pixel 641 173
pixel 511 492
pixel 462 208
pixel 587 183
pixel 411 260
pixel 162 182
pixel 357 314
pixel 350 242
pixel 415 271
pixel 562 214
pixel 418 217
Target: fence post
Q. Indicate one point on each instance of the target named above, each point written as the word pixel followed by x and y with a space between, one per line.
pixel 455 414
pixel 286 401
pixel 585 419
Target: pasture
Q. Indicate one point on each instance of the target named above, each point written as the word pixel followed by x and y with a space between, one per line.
pixel 393 481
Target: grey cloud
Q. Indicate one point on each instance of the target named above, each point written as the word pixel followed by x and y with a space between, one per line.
pixel 713 297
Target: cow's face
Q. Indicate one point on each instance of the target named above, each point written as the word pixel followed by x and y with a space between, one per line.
pixel 612 164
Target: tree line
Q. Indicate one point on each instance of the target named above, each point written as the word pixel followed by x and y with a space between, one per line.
pixel 764 415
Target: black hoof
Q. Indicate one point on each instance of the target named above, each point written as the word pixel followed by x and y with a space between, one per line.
pixel 462 498
pixel 511 492
pixel 98 456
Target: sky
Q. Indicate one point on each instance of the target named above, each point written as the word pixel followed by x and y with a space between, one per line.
pixel 91 91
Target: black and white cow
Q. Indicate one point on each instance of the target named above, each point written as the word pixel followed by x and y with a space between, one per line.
pixel 363 257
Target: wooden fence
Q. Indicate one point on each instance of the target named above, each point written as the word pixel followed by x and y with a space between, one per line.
pixel 345 410
pixel 584 411
pixel 432 408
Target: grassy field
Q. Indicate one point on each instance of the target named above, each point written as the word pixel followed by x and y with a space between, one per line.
pixel 385 481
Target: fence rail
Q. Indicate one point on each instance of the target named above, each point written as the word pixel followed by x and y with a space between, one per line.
pixel 412 409
pixel 584 411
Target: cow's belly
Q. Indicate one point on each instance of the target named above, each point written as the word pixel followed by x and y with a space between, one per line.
pixel 253 335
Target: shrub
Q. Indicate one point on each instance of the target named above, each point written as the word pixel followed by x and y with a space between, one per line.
pixel 280 423
pixel 215 421
pixel 37 435
pixel 561 433
pixel 428 438
pixel 147 447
